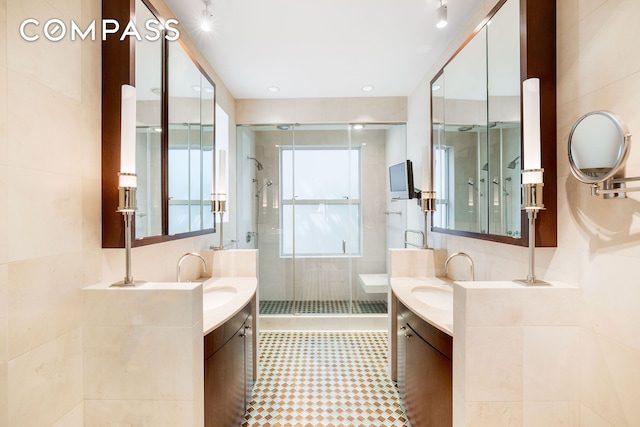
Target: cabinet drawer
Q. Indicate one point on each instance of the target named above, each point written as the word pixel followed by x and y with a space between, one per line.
pixel 215 339
pixel 439 340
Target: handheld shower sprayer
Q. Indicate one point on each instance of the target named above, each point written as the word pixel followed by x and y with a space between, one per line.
pixel 269 183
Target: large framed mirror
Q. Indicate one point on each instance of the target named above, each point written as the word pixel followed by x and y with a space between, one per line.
pixel 175 133
pixel 477 127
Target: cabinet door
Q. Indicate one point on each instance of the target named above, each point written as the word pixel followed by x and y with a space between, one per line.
pixel 224 383
pixel 428 384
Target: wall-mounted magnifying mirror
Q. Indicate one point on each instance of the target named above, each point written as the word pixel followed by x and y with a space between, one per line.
pixel 598 149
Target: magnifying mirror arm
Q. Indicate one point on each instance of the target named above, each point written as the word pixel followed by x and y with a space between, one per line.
pixel 614 187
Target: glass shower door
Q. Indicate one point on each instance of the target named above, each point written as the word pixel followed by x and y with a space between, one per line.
pixel 321 217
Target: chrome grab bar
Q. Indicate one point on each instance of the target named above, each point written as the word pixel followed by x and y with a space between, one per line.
pixel 407 231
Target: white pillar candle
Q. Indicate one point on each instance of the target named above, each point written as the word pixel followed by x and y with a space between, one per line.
pixel 427 183
pixel 222 172
pixel 531 123
pixel 128 137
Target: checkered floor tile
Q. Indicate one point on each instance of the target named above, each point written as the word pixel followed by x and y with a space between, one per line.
pixel 324 379
pixel 323 307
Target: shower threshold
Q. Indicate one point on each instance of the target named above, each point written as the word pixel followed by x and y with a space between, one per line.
pixel 322 307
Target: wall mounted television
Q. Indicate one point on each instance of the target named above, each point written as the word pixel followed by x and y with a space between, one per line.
pixel 401 180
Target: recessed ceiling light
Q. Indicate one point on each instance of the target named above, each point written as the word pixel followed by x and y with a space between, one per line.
pixel 155 91
pixel 157 129
pixel 357 126
pixel 273 89
pixel 435 88
pixel 367 88
pixel 207 89
pixel 196 88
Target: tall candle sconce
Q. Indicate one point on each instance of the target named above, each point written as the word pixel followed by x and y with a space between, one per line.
pixel 532 173
pixel 219 197
pixel 127 178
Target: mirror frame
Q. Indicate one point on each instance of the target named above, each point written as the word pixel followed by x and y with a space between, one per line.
pixel 537 59
pixel 122 53
pixel 623 132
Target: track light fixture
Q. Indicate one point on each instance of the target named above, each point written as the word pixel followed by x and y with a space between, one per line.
pixel 442 16
pixel 205 24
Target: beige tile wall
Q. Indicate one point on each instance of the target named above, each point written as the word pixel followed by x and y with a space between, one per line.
pixel 50 239
pixel 514 356
pixel 322 110
pixel 142 355
pixel 598 240
pixel 49 175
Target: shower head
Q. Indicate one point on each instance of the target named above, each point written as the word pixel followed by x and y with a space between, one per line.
pixel 258 164
pixel 512 164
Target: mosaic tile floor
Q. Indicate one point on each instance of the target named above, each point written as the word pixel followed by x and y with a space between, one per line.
pixel 323 307
pixel 324 379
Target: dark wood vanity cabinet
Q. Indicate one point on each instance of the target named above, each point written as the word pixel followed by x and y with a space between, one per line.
pixel 424 370
pixel 228 371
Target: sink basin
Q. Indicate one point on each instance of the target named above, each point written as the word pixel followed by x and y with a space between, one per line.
pixel 438 298
pixel 218 296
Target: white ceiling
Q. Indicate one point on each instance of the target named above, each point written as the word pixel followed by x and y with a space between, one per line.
pixel 329 48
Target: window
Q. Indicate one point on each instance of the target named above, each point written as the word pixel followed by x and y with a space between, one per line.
pixel 321 213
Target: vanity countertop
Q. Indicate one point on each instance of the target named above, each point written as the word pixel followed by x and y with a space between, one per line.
pixel 440 317
pixel 228 295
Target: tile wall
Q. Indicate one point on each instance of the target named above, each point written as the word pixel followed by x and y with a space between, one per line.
pixel 50 241
pixel 142 355
pixel 50 238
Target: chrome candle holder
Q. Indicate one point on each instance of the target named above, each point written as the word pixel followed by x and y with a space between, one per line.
pixel 127 206
pixel 532 202
pixel 428 207
pixel 218 206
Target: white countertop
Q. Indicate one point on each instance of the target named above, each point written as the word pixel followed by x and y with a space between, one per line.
pixel 402 287
pixel 246 289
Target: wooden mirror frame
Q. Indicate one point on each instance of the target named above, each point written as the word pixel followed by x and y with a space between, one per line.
pixel 121 54
pixel 537 59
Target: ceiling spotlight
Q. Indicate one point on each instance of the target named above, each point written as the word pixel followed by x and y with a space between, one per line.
pixel 273 89
pixel 205 24
pixel 357 126
pixel 367 88
pixel 442 16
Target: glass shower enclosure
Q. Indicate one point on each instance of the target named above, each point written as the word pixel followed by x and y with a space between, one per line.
pixel 312 200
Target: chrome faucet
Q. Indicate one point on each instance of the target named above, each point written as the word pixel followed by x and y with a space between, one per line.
pixel 462 254
pixel 188 254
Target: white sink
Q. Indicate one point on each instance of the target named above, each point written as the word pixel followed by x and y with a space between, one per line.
pixel 438 298
pixel 217 296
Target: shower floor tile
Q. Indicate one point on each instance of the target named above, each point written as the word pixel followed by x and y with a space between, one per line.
pixel 322 307
pixel 324 379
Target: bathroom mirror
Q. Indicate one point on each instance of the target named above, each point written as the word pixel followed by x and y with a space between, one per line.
pixel 598 147
pixel 476 125
pixel 175 121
